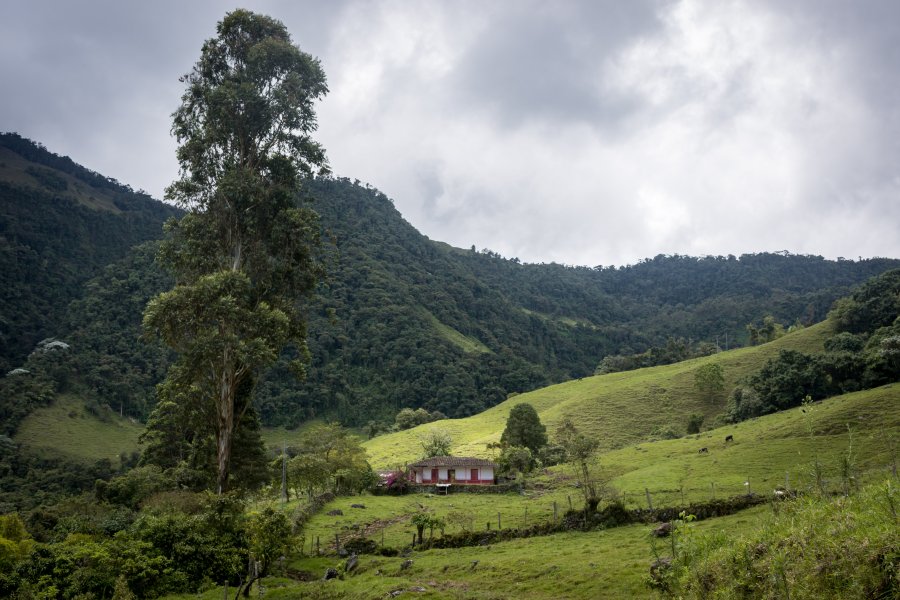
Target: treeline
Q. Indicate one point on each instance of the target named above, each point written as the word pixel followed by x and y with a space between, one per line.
pixel 863 352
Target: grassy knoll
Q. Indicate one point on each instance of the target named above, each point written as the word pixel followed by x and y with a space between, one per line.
pixel 619 408
pixel 66 429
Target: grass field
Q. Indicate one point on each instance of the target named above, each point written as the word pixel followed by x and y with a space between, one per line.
pixel 66 429
pixel 618 409
pixel 767 452
pixel 596 565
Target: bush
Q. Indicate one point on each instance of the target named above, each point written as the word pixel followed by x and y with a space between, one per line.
pixel 695 422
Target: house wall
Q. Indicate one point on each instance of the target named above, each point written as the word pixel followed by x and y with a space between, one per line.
pixel 463 475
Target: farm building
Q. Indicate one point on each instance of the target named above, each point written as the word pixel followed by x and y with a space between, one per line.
pixel 453 469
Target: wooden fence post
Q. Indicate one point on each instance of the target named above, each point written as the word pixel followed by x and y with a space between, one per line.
pixel 649 501
pixel 555 514
pixel 499 526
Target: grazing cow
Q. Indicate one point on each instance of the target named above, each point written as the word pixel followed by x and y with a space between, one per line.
pixel 729 438
pixel 703 451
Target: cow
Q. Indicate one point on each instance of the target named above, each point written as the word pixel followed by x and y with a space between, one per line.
pixel 703 451
pixel 729 438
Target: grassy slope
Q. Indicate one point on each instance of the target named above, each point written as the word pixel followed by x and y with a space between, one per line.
pixel 619 408
pixel 604 564
pixel 763 451
pixel 66 429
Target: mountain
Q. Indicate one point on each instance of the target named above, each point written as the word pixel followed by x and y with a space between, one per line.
pixel 60 224
pixel 402 321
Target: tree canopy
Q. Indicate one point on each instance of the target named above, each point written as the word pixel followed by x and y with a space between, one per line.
pixel 524 428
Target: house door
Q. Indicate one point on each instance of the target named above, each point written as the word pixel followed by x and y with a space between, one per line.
pixel 474 476
pixel 434 475
pixel 451 474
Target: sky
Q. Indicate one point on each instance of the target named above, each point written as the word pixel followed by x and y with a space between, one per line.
pixel 591 132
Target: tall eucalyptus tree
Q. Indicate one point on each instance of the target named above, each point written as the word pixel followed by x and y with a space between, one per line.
pixel 244 252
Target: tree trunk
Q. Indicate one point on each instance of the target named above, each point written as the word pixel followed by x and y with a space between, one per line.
pixel 225 429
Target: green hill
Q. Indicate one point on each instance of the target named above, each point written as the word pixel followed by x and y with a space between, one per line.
pixel 617 408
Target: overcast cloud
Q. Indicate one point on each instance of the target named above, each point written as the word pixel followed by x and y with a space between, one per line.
pixel 578 132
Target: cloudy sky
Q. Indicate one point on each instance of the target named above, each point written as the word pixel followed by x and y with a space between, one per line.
pixel 589 133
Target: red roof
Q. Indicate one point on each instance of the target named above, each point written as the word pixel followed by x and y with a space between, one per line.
pixel 453 461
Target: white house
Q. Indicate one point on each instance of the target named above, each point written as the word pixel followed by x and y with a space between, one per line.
pixel 453 469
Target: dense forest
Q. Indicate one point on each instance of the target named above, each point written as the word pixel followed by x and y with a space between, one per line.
pixel 401 321
pixel 60 224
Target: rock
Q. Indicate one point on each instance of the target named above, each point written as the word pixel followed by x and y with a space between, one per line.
pixel 406 564
pixel 417 588
pixel 330 573
pixel 659 567
pixel 664 530
pixel 474 564
pixel 335 513
pixel 357 506
pixel 395 593
pixel 351 563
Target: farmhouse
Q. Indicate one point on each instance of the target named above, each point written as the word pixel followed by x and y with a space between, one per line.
pixel 453 469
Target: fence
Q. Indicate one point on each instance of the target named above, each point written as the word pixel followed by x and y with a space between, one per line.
pixel 543 514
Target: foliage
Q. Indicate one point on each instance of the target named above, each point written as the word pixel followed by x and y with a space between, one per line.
pixel 422 520
pixel 580 450
pixel 675 350
pixel 408 418
pixel 695 422
pixel 270 537
pixel 768 331
pixel 436 442
pixel 785 381
pixel 516 459
pixel 524 428
pixel 331 458
pixel 709 380
pixel 874 304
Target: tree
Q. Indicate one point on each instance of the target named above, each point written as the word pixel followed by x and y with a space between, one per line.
pixel 244 253
pixel 709 380
pixel 516 459
pixel 580 449
pixel 524 428
pixel 270 537
pixel 437 442
pixel 695 422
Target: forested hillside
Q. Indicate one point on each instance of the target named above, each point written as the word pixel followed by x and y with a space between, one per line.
pixel 402 321
pixel 60 224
